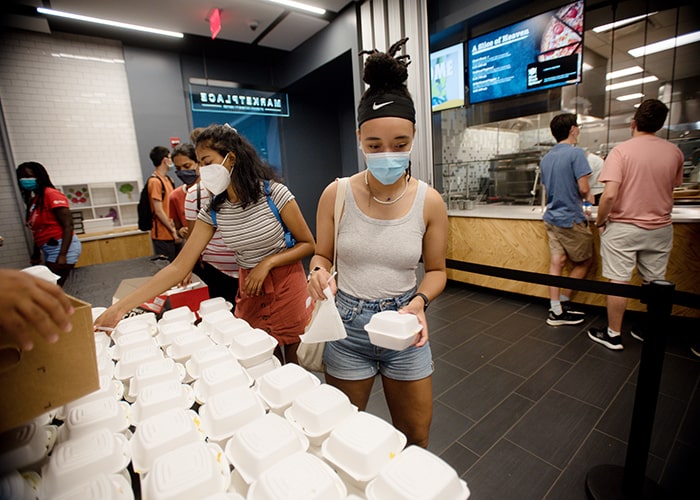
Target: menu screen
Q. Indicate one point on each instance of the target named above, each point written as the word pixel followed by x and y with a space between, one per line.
pixel 539 53
pixel 447 78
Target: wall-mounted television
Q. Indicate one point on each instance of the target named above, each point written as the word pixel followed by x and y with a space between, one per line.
pixel 447 77
pixel 541 52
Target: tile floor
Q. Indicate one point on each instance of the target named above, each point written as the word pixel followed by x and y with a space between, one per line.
pixel 523 410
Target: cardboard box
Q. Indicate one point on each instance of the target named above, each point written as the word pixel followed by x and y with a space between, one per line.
pixel 50 375
pixel 189 296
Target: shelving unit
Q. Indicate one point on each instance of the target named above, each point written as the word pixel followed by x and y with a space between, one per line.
pixel 115 200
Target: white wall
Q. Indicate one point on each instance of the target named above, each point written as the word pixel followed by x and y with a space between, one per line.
pixel 70 113
pixel 67 106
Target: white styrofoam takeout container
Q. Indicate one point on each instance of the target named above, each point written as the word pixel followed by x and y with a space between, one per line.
pixel 226 412
pixel 392 330
pixel 361 445
pixel 280 386
pixel 300 475
pixel 318 411
pixel 162 433
pixel 258 445
pixel 195 470
pixel 404 478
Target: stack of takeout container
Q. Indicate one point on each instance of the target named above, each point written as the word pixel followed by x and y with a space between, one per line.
pixel 208 412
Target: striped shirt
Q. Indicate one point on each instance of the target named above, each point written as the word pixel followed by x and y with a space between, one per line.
pixel 216 253
pixel 253 233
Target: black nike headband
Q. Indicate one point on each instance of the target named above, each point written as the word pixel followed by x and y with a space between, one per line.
pixel 386 104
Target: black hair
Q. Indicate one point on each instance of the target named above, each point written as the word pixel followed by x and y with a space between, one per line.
pixel 650 116
pixel 185 149
pixel 561 125
pixel 36 170
pixel 386 76
pixel 249 170
pixel 157 154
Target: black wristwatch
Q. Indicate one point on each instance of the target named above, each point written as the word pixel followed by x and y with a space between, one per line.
pixel 308 276
pixel 426 301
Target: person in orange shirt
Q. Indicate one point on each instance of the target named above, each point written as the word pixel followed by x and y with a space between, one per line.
pixel 163 234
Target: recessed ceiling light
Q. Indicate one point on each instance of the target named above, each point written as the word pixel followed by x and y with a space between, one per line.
pixel 667 44
pixel 621 22
pixel 630 97
pixel 630 83
pixel 623 72
pixel 586 67
pixel 300 6
pixel 107 22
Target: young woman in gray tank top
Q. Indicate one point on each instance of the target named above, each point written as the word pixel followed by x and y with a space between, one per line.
pixel 389 221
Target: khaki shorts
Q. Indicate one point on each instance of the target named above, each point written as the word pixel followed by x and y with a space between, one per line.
pixel 622 246
pixel 575 242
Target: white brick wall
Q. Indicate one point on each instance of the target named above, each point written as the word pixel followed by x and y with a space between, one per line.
pixel 14 253
pixel 67 106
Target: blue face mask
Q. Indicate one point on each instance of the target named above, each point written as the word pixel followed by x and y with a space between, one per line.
pixel 188 177
pixel 28 183
pixel 387 168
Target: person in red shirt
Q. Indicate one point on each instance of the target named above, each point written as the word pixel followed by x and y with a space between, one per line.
pixel 48 216
pixel 184 159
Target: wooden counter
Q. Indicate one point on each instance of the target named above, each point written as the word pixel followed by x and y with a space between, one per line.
pixel 114 245
pixel 515 238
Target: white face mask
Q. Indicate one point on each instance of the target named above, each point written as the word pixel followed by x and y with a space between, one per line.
pixel 215 177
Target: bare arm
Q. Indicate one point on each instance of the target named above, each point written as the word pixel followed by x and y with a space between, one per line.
pixel 294 220
pixel 325 235
pixel 160 213
pixel 166 278
pixel 584 188
pixel 65 220
pixel 607 200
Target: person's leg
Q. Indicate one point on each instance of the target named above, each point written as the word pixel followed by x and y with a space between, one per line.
pixel 616 309
pixel 556 264
pixel 411 407
pixel 357 390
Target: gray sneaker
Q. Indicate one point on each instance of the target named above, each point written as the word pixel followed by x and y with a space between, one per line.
pixel 564 318
pixel 601 336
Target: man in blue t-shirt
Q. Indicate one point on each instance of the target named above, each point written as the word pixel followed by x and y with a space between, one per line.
pixel 565 172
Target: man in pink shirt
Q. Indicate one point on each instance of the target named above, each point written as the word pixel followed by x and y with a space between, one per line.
pixel 634 216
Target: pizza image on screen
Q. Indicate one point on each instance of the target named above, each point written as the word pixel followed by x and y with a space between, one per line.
pixel 563 35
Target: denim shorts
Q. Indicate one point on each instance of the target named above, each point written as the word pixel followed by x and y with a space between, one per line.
pixel 53 248
pixel 355 358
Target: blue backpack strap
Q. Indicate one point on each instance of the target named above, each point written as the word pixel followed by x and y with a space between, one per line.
pixel 273 207
pixel 288 238
pixel 213 217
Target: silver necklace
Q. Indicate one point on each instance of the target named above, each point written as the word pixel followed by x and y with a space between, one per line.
pixel 388 201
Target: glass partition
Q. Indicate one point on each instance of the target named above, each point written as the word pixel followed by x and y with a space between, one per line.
pixel 632 51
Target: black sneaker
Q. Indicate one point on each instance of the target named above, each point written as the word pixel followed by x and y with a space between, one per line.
pixel 601 336
pixel 638 333
pixel 565 318
pixel 566 307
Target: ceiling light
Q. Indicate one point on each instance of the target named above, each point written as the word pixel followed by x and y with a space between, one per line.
pixel 630 97
pixel 623 72
pixel 630 83
pixel 87 58
pixel 621 22
pixel 667 44
pixel 116 24
pixel 300 6
pixel 586 67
